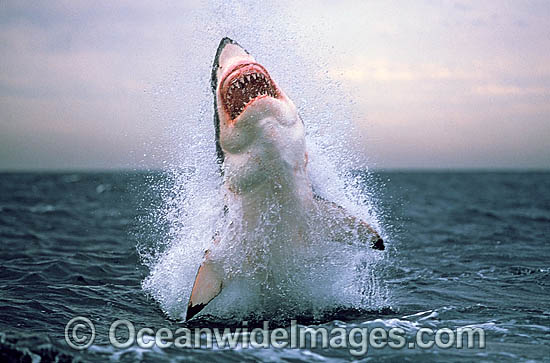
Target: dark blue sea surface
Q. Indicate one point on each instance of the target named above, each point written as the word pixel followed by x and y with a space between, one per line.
pixel 465 249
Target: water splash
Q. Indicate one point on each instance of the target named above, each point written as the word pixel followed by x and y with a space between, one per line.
pixel 306 279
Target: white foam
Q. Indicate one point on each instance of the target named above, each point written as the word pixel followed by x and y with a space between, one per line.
pixel 304 280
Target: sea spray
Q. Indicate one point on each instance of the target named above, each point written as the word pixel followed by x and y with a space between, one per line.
pixel 303 279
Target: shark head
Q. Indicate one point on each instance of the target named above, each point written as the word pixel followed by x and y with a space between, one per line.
pixel 259 134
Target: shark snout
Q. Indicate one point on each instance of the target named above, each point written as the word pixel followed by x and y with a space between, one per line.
pixel 228 52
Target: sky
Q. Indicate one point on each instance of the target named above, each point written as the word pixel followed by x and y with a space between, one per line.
pixel 427 84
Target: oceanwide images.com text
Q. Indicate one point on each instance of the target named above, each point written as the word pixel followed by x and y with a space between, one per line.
pixel 80 334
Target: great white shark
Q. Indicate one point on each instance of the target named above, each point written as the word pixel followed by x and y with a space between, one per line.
pixel 261 148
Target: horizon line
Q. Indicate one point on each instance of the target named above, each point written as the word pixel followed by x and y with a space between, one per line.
pixel 372 169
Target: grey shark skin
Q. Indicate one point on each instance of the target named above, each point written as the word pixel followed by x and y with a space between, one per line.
pixel 261 149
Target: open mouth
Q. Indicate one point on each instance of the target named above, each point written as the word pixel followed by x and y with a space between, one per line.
pixel 246 84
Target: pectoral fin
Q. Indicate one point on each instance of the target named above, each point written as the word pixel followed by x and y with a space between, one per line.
pixel 208 285
pixel 364 231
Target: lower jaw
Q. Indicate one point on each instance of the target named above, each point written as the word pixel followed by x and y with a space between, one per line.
pixel 250 103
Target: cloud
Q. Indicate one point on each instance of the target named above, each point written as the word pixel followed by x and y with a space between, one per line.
pixel 74 70
pixel 387 71
pixel 500 90
pixel 73 76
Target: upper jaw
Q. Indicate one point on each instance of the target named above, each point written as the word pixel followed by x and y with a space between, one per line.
pixel 245 83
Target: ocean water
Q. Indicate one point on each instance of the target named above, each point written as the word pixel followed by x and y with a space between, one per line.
pixel 464 249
